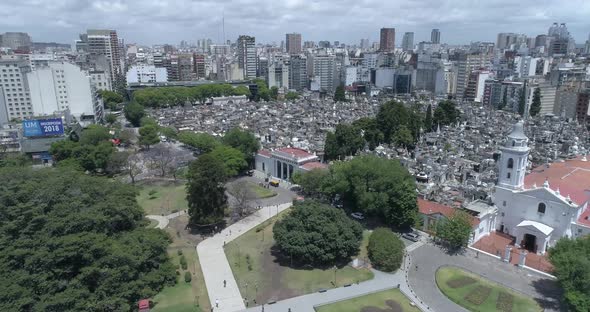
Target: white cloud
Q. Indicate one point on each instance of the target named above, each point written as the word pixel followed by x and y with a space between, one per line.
pixel 158 21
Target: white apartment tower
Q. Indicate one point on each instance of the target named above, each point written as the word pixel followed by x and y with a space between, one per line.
pixel 15 100
pixel 247 56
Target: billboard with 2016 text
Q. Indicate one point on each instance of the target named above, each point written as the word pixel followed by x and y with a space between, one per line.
pixel 43 127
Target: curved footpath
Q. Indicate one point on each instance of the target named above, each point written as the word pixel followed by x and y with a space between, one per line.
pixel 164 220
pixel 429 258
pixel 214 263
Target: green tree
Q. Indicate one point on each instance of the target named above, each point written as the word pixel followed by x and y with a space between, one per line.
pixel 110 119
pixel 522 100
pixel 536 103
pixel 386 250
pixel 312 182
pixel 242 90
pixel 403 137
pixel 134 112
pixel 390 117
pixel 146 120
pixel 169 132
pixel 370 131
pixel 428 119
pixel 94 134
pixel 203 142
pixel 205 190
pixel 111 99
pixel 148 135
pixel 291 96
pixel 456 230
pixel 263 92
pixel 233 159
pixel 187 277
pixel 572 269
pixel 446 113
pixel 87 232
pixel 243 140
pixel 274 93
pixel 317 234
pixel 339 94
pixel 346 141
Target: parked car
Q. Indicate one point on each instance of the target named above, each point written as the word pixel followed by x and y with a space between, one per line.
pixel 357 215
pixel 413 236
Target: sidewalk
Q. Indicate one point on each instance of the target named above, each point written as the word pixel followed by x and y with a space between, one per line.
pixel 214 263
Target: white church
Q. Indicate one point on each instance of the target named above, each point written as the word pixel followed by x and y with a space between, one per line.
pixel 548 203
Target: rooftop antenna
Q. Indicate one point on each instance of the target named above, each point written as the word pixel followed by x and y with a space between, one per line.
pixel 223 25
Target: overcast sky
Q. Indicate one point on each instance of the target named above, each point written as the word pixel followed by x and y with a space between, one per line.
pixel 169 21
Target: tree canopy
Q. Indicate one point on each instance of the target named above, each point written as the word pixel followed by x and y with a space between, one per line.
pixel 203 142
pixel 455 230
pixel 72 242
pixel 244 141
pixel 205 190
pixel 92 152
pixel 536 104
pixel 176 96
pixel 376 186
pixel 571 261
pixel 111 99
pixel 148 135
pixel 233 159
pixel 339 94
pixel 386 250
pixel 291 96
pixel 345 141
pixel 446 113
pixel 317 234
pixel 134 112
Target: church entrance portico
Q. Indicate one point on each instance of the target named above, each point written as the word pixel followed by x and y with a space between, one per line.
pixel 533 236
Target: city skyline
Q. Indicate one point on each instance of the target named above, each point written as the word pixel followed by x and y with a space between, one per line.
pixel 459 22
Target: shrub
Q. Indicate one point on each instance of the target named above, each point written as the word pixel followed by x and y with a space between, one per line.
pixel 386 250
pixel 179 252
pixel 183 263
pixel 187 277
pixel 461 282
pixel 505 302
pixel 478 295
pixel 152 192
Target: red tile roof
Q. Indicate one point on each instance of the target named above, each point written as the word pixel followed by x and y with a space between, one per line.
pixel 296 152
pixel 584 218
pixel 429 207
pixel 264 152
pixel 572 177
pixel 314 165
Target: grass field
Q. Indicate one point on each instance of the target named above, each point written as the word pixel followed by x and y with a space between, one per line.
pixel 152 223
pixel 260 191
pixel 476 293
pixel 162 199
pixel 389 300
pixel 260 276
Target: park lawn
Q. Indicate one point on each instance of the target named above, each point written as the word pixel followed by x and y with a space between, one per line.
pixel 521 303
pixel 260 191
pixel 364 253
pixel 375 300
pixel 184 296
pixel 152 223
pixel 166 199
pixel 260 276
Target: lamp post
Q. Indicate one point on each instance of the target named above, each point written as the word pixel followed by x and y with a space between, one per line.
pixel 335 268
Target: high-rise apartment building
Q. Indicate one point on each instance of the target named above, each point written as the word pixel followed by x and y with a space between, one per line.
pixel 387 42
pixel 293 43
pixel 467 63
pixel 62 86
pixel 15 100
pixel 408 41
pixel 298 72
pixel 199 65
pixel 185 67
pixel 16 41
pixel 435 36
pixel 247 56
pixel 278 73
pixel 103 42
pixel 324 68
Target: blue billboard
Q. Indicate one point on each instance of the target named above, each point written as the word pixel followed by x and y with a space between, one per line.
pixel 43 127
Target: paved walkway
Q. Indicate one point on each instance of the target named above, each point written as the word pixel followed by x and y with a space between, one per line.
pixel 214 263
pixel 164 220
pixel 429 258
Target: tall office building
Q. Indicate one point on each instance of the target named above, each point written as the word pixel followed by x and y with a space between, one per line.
pixel 466 63
pixel 247 56
pixel 103 42
pixel 293 43
pixel 408 41
pixel 435 36
pixel 387 42
pixel 15 100
pixel 16 41
pixel 505 40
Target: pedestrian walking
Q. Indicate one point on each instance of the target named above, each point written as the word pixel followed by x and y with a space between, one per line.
pixel 262 307
pixel 416 267
pixel 224 283
pixel 246 299
pixel 217 303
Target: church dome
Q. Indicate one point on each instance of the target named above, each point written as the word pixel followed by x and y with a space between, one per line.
pixel 517 132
